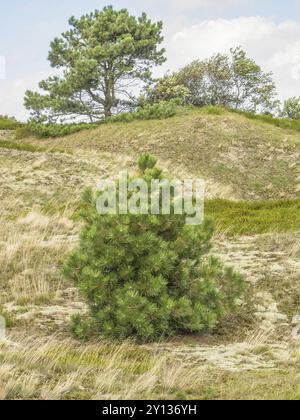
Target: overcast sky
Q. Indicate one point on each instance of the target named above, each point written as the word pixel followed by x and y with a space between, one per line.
pixel 269 30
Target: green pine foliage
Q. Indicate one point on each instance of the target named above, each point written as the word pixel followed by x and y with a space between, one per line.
pixel 148 276
pixel 158 111
pixel 161 110
pixel 99 57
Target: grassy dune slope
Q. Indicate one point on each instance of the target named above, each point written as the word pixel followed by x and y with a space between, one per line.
pixel 252 174
pixel 239 158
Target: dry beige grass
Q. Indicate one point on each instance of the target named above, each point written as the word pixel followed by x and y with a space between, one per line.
pixel 28 288
pixel 52 369
pixel 39 193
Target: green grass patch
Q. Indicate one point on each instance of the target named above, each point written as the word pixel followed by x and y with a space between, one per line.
pixel 25 147
pixel 6 144
pixel 7 123
pixel 272 384
pixel 9 320
pixel 213 110
pixel 284 123
pixel 250 218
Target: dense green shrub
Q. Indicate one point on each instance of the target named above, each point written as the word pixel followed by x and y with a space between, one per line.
pixel 58 130
pixel 148 112
pixel 167 89
pixel 82 327
pixel 159 110
pixel 23 132
pixel 7 123
pixel 148 276
pixel 291 108
pixel 126 117
pixel 284 123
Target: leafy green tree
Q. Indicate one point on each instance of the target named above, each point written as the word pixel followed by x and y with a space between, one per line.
pixel 192 77
pixel 253 89
pixel 231 80
pixel 218 80
pixel 148 276
pixel 291 108
pixel 167 89
pixel 101 58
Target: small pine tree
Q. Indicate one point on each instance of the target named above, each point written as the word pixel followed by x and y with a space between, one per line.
pixel 148 276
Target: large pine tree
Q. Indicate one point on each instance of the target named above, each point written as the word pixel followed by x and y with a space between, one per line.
pixel 100 59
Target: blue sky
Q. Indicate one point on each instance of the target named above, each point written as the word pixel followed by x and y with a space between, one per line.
pixel 268 30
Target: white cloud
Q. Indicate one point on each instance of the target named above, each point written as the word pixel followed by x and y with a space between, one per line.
pixel 2 68
pixel 12 97
pixel 275 46
pixel 12 92
pixel 190 5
